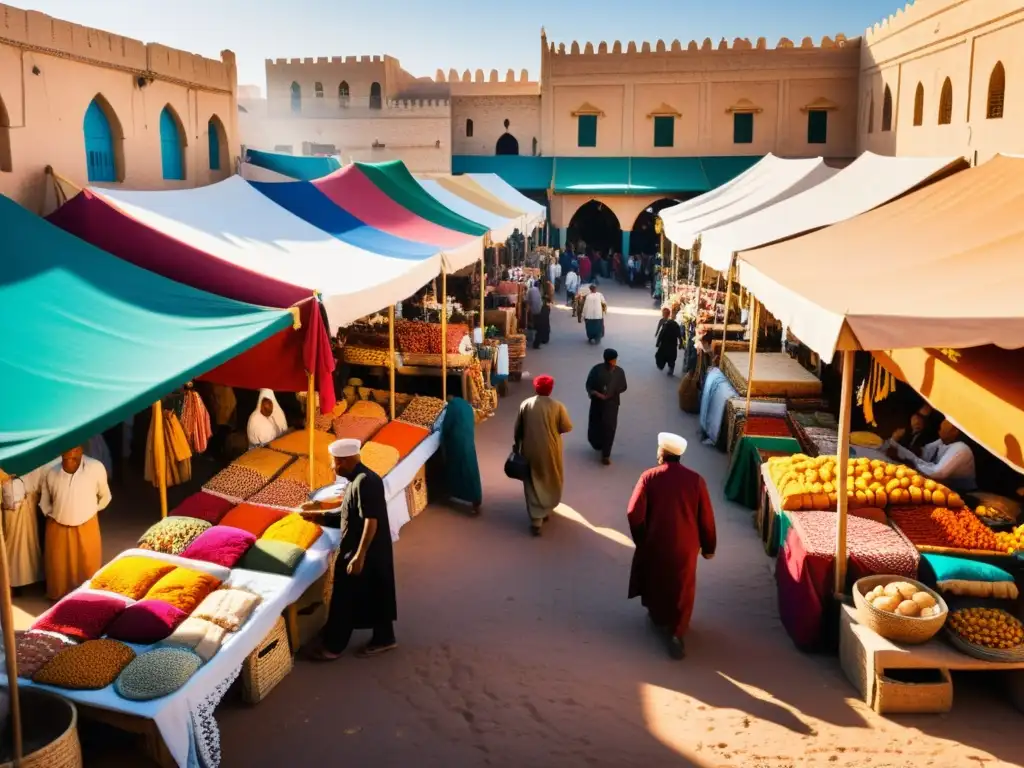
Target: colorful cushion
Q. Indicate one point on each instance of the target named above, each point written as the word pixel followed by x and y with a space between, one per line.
pixel 203 506
pixel 235 482
pixel 378 457
pixel 199 635
pixel 252 518
pixel 286 494
pixel 157 673
pixel 265 461
pixel 294 530
pixel 86 667
pixel 273 557
pixel 360 428
pixel 404 437
pixel 146 622
pixel 81 615
pixel 297 443
pixel 368 408
pixel 35 649
pixel 936 568
pixel 172 534
pixel 227 607
pixel 131 576
pixel 222 544
pixel 183 588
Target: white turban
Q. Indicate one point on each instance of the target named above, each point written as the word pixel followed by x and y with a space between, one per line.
pixel 344 448
pixel 671 443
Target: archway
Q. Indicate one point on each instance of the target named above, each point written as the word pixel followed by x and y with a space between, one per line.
pixel 5 139
pixel 643 239
pixel 507 145
pixel 596 225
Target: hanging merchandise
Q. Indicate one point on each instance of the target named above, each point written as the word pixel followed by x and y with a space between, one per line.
pixel 878 385
pixel 177 453
pixel 195 420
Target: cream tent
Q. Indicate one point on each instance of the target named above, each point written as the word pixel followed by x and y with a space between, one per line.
pixel 497 186
pixel 501 227
pixel 766 183
pixel 870 181
pixel 941 267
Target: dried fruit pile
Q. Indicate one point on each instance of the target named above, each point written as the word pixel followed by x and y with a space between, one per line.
pixel 419 338
pixel 988 627
pixel 235 482
pixel 1010 541
pixel 940 527
pixel 423 411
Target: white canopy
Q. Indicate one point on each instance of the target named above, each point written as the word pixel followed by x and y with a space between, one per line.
pixel 501 189
pixel 868 182
pixel 767 183
pixel 501 227
pixel 232 229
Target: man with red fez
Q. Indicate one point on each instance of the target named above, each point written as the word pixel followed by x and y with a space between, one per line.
pixel 540 425
pixel 671 520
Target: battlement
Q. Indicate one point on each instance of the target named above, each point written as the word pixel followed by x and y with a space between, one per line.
pixel 36 31
pixel 478 77
pixel 676 47
pixel 907 16
pixel 412 104
pixel 347 60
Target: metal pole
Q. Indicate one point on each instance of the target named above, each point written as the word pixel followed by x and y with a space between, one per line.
pixel 391 356
pixel 755 317
pixel 842 478
pixel 160 455
pixel 444 335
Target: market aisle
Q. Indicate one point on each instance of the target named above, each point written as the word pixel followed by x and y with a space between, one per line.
pixel 519 651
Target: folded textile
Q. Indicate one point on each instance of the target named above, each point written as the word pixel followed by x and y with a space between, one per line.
pixel 201 636
pixel 203 506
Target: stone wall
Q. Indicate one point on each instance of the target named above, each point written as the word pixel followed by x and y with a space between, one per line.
pixel 489 114
pixel 50 70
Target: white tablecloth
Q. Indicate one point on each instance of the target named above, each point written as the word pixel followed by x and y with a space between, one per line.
pixel 185 717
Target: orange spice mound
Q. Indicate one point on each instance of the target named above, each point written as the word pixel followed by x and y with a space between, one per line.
pixel 964 530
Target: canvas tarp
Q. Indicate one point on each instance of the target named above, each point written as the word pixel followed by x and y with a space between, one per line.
pixel 773 182
pixel 500 227
pixel 93 339
pixel 536 213
pixel 292 166
pixel 232 240
pixel 870 181
pixel 467 189
pixel 940 267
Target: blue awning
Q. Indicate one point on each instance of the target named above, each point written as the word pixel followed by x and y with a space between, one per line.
pixel 293 166
pixel 522 172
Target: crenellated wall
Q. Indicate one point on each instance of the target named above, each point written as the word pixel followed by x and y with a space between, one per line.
pixel 925 43
pixel 50 70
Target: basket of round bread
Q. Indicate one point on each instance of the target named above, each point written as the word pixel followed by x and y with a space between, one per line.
pixel 899 609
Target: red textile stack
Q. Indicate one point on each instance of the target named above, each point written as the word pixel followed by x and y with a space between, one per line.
pixel 767 426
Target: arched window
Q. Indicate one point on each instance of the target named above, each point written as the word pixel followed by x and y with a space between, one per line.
pixel 375 102
pixel 887 110
pixel 101 137
pixel 507 145
pixel 919 105
pixel 871 112
pixel 296 98
pixel 996 92
pixel 534 146
pixel 5 139
pixel 318 90
pixel 946 103
pixel 172 145
pixel 343 94
pixel 469 128
pixel 218 143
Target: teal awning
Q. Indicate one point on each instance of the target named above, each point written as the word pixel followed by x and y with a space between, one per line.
pixel 667 175
pixel 298 167
pixel 522 172
pixel 725 168
pixel 629 175
pixel 93 339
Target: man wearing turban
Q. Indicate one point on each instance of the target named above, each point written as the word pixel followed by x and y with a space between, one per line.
pixel 605 383
pixel 539 428
pixel 671 520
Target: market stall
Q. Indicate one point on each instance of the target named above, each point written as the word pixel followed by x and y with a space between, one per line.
pixel 493 183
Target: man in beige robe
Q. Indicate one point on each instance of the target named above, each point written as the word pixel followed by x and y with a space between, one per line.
pixel 540 425
pixel 20 501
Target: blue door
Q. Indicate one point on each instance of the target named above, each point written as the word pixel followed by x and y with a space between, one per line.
pixel 170 146
pixel 99 144
pixel 214 145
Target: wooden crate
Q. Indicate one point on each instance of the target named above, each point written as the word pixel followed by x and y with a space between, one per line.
pixel 416 493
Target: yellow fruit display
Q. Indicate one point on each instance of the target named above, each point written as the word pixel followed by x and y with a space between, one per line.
pixel 988 627
pixel 1009 541
pixel 804 482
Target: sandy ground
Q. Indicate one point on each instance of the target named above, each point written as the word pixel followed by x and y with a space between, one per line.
pixel 518 651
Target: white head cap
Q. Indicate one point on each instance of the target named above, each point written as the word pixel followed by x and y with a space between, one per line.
pixel 671 443
pixel 343 448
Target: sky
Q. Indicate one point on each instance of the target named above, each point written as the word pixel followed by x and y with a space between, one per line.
pixel 427 35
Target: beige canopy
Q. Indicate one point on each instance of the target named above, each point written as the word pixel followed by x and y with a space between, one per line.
pixel 941 267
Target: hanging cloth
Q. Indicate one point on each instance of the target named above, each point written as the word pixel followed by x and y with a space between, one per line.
pixel 195 420
pixel 878 385
pixel 177 470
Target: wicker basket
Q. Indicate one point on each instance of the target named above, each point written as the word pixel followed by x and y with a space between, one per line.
pixel 44 714
pixel 311 609
pixel 267 665
pixel 894 697
pixel 996 655
pixel 912 630
pixel 416 493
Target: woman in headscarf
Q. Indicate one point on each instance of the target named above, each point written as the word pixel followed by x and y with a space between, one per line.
pixel 540 425
pixel 458 448
pixel 542 325
pixel 605 383
pixel 267 422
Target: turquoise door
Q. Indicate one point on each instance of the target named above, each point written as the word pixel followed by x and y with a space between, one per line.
pixel 99 145
pixel 214 145
pixel 170 146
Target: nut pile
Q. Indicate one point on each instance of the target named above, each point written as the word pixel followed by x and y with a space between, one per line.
pixel 423 411
pixel 287 494
pixel 366 356
pixel 988 627
pixel 416 337
pixel 939 527
pixel 235 482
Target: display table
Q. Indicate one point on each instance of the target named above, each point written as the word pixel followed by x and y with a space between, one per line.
pixel 741 484
pixel 866 657
pixel 776 374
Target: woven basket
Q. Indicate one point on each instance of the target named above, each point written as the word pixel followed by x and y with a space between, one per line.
pixel 44 712
pixel 366 356
pixel 267 665
pixel 896 697
pixel 431 360
pixel 912 630
pixel 997 655
pixel 311 609
pixel 416 493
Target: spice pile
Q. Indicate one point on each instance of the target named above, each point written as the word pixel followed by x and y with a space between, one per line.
pixel 940 527
pixel 988 627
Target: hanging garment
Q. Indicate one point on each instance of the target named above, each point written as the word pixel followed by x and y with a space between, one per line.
pixel 195 420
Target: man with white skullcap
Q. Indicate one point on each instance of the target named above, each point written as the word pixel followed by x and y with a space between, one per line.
pixel 364 573
pixel 671 520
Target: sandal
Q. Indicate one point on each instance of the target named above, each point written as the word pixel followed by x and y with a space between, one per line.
pixel 376 650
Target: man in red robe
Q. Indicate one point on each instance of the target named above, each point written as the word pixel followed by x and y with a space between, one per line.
pixel 671 520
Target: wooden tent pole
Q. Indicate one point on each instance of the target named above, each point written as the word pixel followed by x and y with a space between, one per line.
pixel 842 475
pixel 483 295
pixel 444 335
pixel 755 321
pixel 391 356
pixel 11 658
pixel 311 423
pixel 728 301
pixel 160 455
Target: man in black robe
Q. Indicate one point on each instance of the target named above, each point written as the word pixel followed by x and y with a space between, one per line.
pixel 667 341
pixel 605 383
pixel 364 573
